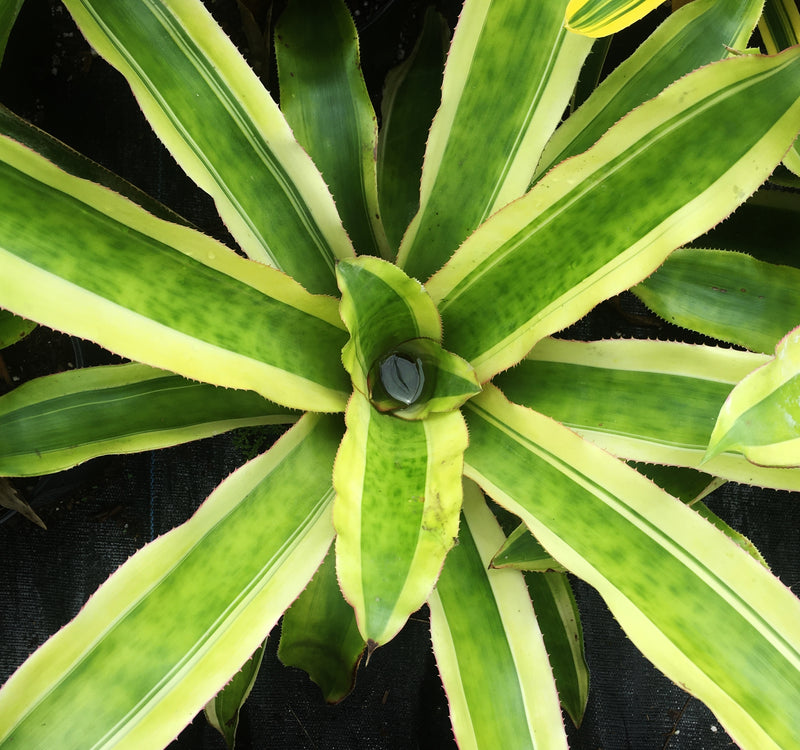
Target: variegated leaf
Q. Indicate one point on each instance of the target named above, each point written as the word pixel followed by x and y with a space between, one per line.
pixel 679 588
pixel 699 33
pixel 582 242
pixel 222 127
pixel 660 400
pixel 484 144
pixel 57 421
pixel 761 417
pixel 603 17
pixel 394 356
pixel 484 633
pixel 398 495
pixel 780 29
pixel 147 289
pixel 185 612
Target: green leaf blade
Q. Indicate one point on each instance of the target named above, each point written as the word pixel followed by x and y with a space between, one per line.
pixel 521 551
pixel 58 421
pixel 223 710
pixel 13 328
pixel 168 621
pixel 411 96
pixel 761 417
pixel 222 127
pixel 325 101
pixel 398 494
pixel 146 289
pixel 484 145
pixel 484 632
pixel 319 634
pixel 623 535
pixel 8 14
pixel 726 295
pixel 579 261
pixel 558 617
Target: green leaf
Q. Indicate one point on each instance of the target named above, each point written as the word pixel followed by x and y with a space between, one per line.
pixel 738 538
pixel 697 34
pixel 148 290
pixel 779 25
pixel 590 76
pixel 485 635
pixel 411 96
pixel 730 296
pixel 699 140
pixel 398 494
pixel 222 127
pixel 780 29
pixel 382 308
pixel 679 588
pixel 394 357
pixel 660 399
pixel 521 551
pixel 222 711
pixel 185 612
pixel 560 623
pixel 319 634
pixel 13 328
pixel 325 101
pixel 596 18
pixel 484 144
pixel 58 421
pixel 8 14
pixel 761 417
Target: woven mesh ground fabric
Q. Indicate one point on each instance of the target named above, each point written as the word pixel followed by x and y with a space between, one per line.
pixel 100 514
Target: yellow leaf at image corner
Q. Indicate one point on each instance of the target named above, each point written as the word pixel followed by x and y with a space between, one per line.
pixel 597 18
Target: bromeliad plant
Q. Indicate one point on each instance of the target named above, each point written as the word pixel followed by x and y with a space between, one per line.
pixel 404 329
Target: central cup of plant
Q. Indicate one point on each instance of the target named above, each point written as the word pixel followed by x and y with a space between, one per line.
pixel 400 378
pixel 394 355
pixel 398 472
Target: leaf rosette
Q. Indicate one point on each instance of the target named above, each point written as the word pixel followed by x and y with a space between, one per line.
pixel 414 343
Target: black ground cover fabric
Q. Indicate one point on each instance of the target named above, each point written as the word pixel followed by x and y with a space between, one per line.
pixel 100 514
